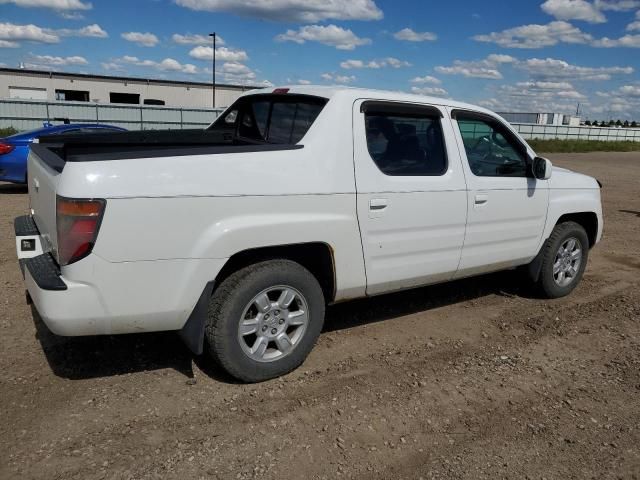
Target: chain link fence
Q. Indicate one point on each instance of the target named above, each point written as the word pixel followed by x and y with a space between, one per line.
pixel 29 114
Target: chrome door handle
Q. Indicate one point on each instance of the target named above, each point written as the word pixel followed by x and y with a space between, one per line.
pixel 377 204
pixel 481 199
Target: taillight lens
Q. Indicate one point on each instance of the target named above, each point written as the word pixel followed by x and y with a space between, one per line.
pixel 78 222
pixel 6 148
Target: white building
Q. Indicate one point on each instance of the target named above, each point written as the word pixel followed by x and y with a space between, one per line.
pixel 51 86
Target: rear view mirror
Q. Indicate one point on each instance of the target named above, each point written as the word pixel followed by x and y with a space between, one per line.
pixel 542 168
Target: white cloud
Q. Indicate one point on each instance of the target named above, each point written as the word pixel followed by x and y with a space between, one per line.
pixel 634 26
pixel 166 65
pixel 11 32
pixel 330 77
pixel 617 5
pixel 93 30
pixel 235 68
pixel 8 44
pixel 291 10
pixel 304 82
pixel 541 85
pixel 332 35
pixel 409 35
pixel 629 41
pixel 223 54
pixel 71 15
pixel 537 36
pixel 143 39
pixel 375 64
pixel 433 91
pixel 191 39
pixel 112 66
pixel 427 79
pixel 630 90
pixel 552 68
pixel 53 4
pixel 539 91
pixel 486 68
pixel 238 73
pixel 58 61
pixel 573 10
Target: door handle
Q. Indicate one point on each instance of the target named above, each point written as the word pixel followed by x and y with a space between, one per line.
pixel 481 199
pixel 377 204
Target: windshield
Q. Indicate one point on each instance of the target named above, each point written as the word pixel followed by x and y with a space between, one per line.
pixel 278 118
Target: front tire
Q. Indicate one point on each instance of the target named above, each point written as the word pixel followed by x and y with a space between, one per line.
pixel 565 256
pixel 264 319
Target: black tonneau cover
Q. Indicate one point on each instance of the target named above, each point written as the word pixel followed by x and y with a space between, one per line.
pixel 56 150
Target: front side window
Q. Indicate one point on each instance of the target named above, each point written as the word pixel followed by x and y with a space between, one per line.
pixel 277 119
pixel 406 143
pixel 491 149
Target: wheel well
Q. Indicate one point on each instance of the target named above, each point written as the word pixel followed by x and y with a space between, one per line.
pixel 316 257
pixel 588 221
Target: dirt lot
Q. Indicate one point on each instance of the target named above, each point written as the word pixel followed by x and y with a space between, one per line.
pixel 468 380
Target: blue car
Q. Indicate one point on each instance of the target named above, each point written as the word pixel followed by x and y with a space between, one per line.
pixel 15 149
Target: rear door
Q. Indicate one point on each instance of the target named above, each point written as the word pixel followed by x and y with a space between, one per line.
pixel 507 206
pixel 411 194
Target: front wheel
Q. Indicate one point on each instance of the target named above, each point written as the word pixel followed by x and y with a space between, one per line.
pixel 264 319
pixel 565 256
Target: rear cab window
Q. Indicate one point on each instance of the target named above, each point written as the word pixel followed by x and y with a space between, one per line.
pixel 405 139
pixel 281 119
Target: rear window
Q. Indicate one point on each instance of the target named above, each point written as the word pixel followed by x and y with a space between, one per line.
pixel 279 119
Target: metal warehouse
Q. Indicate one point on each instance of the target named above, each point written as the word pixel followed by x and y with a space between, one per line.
pixel 26 84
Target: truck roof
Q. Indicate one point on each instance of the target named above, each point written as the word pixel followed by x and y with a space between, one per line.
pixel 354 93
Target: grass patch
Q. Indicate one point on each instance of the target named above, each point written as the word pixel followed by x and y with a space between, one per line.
pixel 582 146
pixel 5 132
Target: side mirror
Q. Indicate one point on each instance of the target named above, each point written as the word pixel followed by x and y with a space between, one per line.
pixel 542 168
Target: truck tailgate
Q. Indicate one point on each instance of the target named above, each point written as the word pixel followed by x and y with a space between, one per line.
pixel 43 184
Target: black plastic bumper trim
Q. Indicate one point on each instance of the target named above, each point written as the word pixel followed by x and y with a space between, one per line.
pixel 25 226
pixel 45 272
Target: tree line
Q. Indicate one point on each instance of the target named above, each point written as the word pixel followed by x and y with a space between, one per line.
pixel 612 123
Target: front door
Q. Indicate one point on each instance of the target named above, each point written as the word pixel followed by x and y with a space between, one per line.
pixel 411 194
pixel 507 206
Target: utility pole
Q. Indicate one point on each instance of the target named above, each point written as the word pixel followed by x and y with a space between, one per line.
pixel 213 98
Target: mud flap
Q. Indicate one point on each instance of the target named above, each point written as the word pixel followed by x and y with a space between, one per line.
pixel 192 333
pixel 535 267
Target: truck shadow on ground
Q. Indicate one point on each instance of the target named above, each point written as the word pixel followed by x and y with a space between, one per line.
pixel 13 188
pixel 103 356
pixel 632 212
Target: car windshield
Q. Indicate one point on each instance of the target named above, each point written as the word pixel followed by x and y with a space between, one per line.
pixel 278 118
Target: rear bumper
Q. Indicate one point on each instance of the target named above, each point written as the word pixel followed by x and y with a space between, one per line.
pixel 74 311
pixel 97 297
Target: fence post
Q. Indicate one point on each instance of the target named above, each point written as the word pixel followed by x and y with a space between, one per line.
pixel 181 120
pixel 47 104
pixel 97 114
pixel 141 120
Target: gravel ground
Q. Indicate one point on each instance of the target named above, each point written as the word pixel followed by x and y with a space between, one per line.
pixel 472 379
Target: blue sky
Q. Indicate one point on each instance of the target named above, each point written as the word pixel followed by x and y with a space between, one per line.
pixel 525 55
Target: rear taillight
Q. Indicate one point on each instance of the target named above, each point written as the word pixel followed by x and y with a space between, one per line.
pixel 6 148
pixel 77 222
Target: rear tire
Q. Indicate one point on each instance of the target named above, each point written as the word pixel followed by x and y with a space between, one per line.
pixel 264 319
pixel 565 255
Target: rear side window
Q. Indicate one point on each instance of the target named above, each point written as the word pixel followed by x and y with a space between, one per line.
pixel 277 119
pixel 406 141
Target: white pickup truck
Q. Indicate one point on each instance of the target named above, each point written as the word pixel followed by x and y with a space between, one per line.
pixel 237 236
